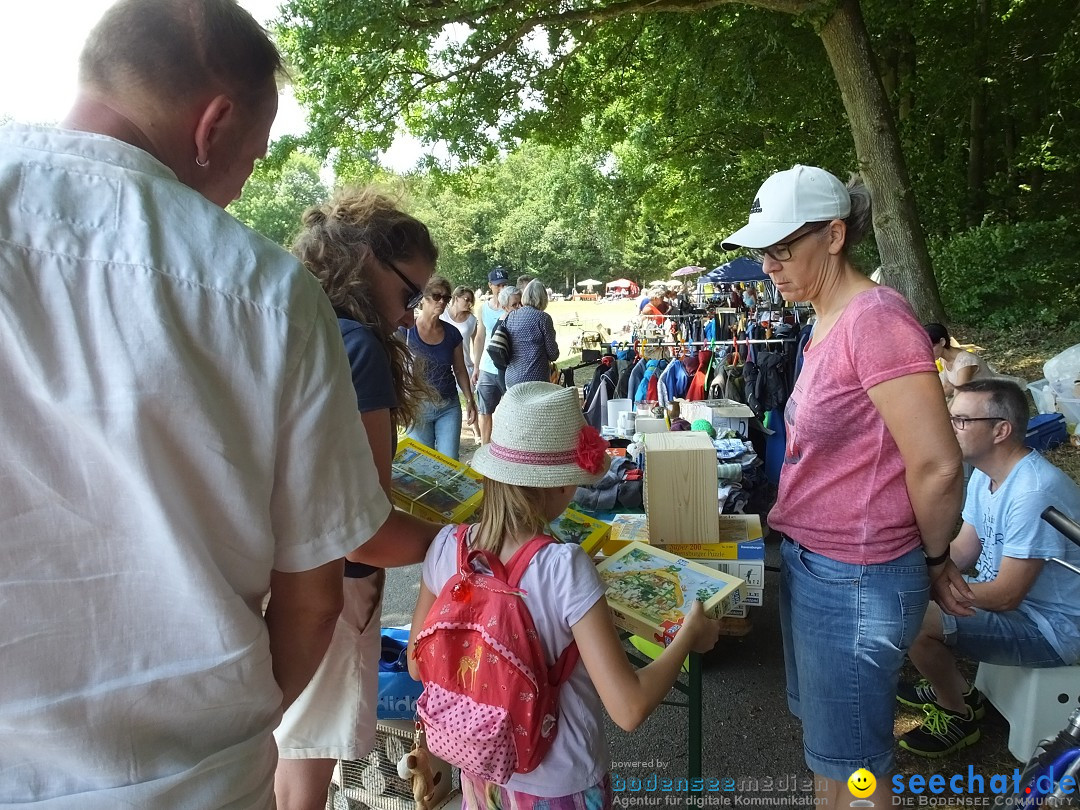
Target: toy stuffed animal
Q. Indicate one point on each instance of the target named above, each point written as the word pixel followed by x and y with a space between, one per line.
pixel 417 764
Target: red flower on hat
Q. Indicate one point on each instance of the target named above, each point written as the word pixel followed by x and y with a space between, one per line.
pixel 591 450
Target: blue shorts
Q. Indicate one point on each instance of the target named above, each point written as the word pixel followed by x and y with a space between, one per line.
pixel 846 630
pixel 489 391
pixel 1008 638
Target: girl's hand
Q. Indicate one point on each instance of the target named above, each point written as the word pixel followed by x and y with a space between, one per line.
pixel 703 631
pixel 470 413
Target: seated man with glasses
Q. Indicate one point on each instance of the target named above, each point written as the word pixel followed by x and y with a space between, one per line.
pixel 1025 610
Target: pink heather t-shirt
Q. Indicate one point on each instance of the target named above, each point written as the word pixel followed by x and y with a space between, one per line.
pixel 842 488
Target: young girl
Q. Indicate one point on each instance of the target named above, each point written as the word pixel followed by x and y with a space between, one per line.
pixel 540 451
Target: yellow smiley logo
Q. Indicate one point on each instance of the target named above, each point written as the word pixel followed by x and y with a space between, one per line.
pixel 861 783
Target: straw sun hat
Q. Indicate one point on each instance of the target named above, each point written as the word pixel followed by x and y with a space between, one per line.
pixel 539 439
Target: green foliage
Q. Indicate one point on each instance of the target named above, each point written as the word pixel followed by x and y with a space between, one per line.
pixel 277 193
pixel 1008 275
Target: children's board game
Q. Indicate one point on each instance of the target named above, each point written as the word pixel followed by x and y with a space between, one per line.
pixel 430 485
pixel 649 590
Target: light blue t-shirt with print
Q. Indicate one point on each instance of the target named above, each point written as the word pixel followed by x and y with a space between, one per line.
pixel 1008 525
pixel 490 317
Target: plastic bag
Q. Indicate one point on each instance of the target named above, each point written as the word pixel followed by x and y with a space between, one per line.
pixel 1063 372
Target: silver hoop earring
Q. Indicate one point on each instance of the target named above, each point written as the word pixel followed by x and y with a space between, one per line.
pixel 202 164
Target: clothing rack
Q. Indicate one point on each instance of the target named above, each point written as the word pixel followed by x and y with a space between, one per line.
pixel 725 342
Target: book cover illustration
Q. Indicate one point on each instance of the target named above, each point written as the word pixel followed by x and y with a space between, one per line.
pixel 428 484
pixel 650 590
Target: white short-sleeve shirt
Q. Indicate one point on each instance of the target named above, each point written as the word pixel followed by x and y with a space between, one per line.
pixel 176 420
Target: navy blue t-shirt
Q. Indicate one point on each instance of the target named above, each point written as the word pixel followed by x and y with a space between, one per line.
pixel 439 365
pixel 371 375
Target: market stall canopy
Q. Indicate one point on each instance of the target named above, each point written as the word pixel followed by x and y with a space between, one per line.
pixel 740 269
pixel 590 283
pixel 691 270
pixel 619 284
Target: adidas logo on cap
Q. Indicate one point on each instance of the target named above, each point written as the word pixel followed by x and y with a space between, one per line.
pixel 755 207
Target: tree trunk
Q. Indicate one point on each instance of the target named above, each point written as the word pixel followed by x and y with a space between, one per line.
pixel 977 131
pixel 904 258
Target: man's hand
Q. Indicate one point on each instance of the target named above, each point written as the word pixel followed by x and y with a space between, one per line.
pixel 949 589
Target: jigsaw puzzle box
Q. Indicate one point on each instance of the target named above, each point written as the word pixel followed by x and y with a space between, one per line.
pixel 649 590
pixel 430 485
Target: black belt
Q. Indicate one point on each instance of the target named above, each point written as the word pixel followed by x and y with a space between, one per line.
pixel 355 570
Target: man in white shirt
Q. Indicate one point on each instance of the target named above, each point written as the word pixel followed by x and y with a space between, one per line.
pixel 178 432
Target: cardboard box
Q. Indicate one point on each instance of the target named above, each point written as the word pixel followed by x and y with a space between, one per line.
pixel 574 527
pixel 680 488
pixel 650 424
pixel 430 485
pixel 752 572
pixel 650 590
pixel 725 414
pixel 740 538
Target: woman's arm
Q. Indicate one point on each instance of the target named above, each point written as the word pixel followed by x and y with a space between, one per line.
pixel 551 344
pixel 461 374
pixel 402 539
pixel 914 411
pixel 630 695
pixel 478 341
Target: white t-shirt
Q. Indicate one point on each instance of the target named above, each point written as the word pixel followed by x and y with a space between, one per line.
pixel 176 420
pixel 561 585
pixel 964 359
pixel 1008 525
pixel 467 328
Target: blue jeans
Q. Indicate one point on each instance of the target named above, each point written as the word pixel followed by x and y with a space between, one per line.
pixel 438 425
pixel 1008 638
pixel 846 630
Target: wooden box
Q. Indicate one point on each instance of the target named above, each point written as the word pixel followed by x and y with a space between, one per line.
pixel 680 488
pixel 430 485
pixel 650 590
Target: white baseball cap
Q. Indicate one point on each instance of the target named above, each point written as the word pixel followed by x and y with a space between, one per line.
pixel 787 201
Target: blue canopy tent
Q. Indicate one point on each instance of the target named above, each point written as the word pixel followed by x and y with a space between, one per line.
pixel 740 269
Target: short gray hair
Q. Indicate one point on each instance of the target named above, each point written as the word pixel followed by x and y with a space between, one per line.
pixel 535 295
pixel 505 294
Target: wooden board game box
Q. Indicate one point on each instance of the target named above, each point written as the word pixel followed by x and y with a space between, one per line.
pixel 649 590
pixel 428 484
pixel 574 527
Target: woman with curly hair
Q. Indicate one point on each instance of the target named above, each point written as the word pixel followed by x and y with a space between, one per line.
pixel 373 260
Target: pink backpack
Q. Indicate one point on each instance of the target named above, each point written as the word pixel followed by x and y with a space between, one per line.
pixel 490 701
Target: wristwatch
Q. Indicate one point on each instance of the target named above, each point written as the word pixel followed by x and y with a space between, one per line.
pixel 938 560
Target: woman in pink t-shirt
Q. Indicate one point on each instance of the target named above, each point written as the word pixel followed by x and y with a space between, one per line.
pixel 871 484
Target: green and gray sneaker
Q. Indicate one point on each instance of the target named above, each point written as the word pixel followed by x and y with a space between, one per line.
pixel 919 694
pixel 942 733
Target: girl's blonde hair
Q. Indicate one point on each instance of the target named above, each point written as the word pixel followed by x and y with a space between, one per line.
pixel 342 243
pixel 509 510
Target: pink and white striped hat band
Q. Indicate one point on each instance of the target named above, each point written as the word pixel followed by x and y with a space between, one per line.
pixel 539 439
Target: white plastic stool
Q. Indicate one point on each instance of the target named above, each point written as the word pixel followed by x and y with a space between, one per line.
pixel 1036 702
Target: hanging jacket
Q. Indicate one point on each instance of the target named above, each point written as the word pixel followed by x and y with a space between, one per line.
pixel 652 368
pixel 636 375
pixel 765 383
pixel 652 381
pixel 699 384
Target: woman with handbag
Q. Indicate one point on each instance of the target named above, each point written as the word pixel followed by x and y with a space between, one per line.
pixel 531 334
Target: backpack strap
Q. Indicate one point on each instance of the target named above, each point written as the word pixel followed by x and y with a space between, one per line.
pixel 467 555
pixel 564 665
pixel 516 565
